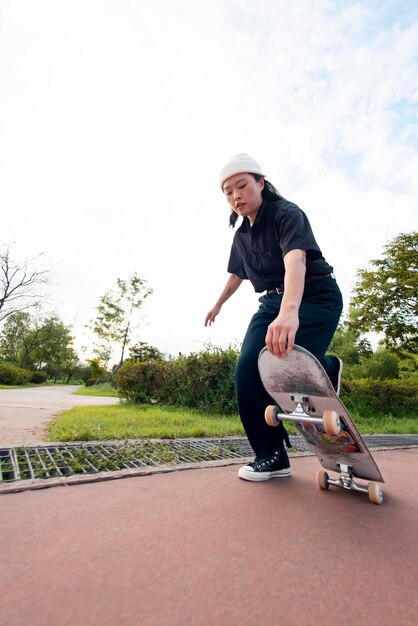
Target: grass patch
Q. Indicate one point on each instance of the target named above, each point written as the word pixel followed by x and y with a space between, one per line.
pixel 124 421
pixel 128 421
pixel 386 425
pixel 105 390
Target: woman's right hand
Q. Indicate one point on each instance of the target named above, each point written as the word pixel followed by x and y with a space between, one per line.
pixel 231 286
pixel 210 317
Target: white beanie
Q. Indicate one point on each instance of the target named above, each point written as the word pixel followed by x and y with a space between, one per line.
pixel 238 164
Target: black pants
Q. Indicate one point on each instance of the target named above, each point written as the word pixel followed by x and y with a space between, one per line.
pixel 319 313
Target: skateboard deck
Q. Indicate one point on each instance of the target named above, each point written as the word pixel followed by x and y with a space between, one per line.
pixel 300 386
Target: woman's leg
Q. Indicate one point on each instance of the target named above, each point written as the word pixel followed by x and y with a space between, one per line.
pixel 319 313
pixel 252 398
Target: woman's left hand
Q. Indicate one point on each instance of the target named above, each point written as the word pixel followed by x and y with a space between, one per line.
pixel 282 332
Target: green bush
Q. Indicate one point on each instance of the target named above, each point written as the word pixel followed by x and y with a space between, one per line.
pixel 12 375
pixel 375 398
pixel 205 381
pixel 90 382
pixel 382 365
pixel 39 377
pixel 146 382
pixel 200 381
pixel 208 380
pixel 84 373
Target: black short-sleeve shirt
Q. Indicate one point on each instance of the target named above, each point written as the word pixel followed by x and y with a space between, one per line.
pixel 257 252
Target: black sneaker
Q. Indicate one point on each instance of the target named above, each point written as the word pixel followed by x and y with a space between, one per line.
pixel 335 376
pixel 276 466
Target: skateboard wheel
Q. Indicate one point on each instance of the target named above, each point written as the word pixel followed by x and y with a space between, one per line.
pixel 322 479
pixel 270 415
pixel 331 422
pixel 375 493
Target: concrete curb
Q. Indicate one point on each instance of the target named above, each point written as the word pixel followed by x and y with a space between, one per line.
pixel 80 479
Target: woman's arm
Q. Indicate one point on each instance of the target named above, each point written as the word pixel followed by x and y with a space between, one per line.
pixel 282 331
pixel 230 288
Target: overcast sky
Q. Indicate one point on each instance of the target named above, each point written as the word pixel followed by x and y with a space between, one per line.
pixel 117 115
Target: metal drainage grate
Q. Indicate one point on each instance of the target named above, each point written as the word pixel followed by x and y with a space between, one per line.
pixel 65 460
pixel 68 459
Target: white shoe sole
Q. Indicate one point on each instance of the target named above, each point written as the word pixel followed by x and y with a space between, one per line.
pixel 247 473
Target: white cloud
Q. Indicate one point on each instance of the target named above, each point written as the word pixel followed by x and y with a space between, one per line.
pixel 116 118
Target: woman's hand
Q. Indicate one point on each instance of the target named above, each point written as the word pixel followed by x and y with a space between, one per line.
pixel 282 332
pixel 231 286
pixel 210 317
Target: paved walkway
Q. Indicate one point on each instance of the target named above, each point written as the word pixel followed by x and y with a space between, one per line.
pixel 24 413
pixel 201 547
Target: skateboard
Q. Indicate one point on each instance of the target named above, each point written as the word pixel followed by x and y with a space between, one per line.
pixel 301 387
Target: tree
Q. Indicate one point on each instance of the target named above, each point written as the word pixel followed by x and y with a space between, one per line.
pixel 19 282
pixel 385 296
pixel 96 369
pixel 382 366
pixel 38 342
pixel 348 344
pixel 142 351
pixel 114 322
pixel 14 329
pixel 56 354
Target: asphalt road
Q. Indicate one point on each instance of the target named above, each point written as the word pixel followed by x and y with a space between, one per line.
pixel 24 413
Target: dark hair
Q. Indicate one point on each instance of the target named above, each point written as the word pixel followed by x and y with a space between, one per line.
pixel 269 194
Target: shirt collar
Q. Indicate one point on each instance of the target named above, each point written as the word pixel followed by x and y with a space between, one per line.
pixel 260 213
pixel 245 226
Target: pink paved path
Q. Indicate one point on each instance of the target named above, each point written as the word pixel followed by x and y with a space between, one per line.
pixel 201 547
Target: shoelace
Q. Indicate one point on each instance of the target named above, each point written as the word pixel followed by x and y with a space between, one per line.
pixel 263 463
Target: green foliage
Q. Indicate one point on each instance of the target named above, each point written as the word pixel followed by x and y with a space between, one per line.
pixel 39 377
pixel 128 421
pixel 348 345
pixel 382 365
pixel 104 390
pixel 203 381
pixel 12 375
pixel 114 321
pixel 96 369
pixel 84 372
pixel 38 342
pixel 378 398
pixel 144 352
pixel 90 382
pixel 386 295
pixel 408 367
pixel 145 382
pixel 14 329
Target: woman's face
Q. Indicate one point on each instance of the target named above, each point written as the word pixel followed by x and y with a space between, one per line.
pixel 243 193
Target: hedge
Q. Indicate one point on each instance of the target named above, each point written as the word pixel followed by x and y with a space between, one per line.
pixel 38 377
pixel 206 381
pixel 201 381
pixel 374 398
pixel 12 375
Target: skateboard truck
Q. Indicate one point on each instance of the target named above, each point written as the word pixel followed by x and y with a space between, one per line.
pixel 330 420
pixel 346 481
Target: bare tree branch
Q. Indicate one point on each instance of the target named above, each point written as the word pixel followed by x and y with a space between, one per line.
pixel 19 282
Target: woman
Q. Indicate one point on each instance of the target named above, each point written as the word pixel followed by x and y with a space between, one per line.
pixel 274 248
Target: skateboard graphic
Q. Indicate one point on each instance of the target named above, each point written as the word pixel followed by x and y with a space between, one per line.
pixel 303 391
